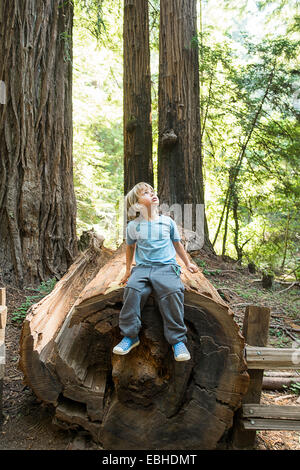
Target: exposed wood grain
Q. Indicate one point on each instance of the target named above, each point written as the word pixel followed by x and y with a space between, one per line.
pixel 256 325
pixel 45 319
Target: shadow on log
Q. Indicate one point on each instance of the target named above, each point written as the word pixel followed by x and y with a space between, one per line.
pixel 144 400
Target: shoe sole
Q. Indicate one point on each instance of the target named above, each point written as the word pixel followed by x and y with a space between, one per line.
pixel 181 359
pixel 184 357
pixel 122 353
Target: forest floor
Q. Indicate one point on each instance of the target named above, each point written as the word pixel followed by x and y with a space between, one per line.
pixel 27 424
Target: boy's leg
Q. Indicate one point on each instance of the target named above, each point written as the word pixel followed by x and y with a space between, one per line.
pixel 169 290
pixel 130 314
pixel 136 292
pixel 172 310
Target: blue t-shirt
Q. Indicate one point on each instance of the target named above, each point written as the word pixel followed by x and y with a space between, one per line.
pixel 153 240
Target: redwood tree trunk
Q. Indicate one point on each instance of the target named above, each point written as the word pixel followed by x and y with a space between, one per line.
pixel 180 179
pixel 37 201
pixel 137 95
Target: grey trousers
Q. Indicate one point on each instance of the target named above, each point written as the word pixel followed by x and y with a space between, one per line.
pixel 169 292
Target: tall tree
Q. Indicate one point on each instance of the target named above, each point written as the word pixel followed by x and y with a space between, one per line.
pixel 180 179
pixel 137 95
pixel 37 202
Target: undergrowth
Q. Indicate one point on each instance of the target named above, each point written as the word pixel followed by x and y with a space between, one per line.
pixel 42 290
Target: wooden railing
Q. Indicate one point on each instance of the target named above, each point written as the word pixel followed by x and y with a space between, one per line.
pixel 3 316
pixel 272 358
pixel 254 416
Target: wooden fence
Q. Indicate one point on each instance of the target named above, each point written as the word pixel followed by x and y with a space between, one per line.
pixel 254 416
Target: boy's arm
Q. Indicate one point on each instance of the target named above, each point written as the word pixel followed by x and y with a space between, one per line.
pixel 130 249
pixel 129 258
pixel 183 255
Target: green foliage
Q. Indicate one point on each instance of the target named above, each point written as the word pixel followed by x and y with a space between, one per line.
pixel 250 129
pixel 91 16
pixel 295 388
pixel 97 18
pixel 278 338
pixel 42 290
pixel 211 273
pixel 200 262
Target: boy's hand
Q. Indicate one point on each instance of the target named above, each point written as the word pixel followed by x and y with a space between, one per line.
pixel 192 267
pixel 126 276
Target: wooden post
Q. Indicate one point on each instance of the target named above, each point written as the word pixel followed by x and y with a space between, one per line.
pixel 2 296
pixel 256 332
pixel 3 314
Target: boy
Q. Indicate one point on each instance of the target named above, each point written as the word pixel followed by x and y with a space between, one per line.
pixel 156 240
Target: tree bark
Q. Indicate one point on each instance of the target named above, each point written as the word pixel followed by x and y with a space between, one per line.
pixel 180 178
pixel 137 126
pixel 37 202
pixel 144 400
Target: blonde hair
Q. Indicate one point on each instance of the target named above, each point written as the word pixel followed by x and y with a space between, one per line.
pixel 131 200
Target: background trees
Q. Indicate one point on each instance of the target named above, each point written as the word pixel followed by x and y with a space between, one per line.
pixel 249 129
pixel 238 45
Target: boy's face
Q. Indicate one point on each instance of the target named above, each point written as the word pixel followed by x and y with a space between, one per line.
pixel 148 197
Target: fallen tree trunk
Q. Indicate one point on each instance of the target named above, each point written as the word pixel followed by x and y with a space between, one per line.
pixel 279 383
pixel 45 319
pixel 144 400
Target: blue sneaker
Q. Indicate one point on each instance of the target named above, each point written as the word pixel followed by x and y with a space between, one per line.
pixel 180 352
pixel 126 345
